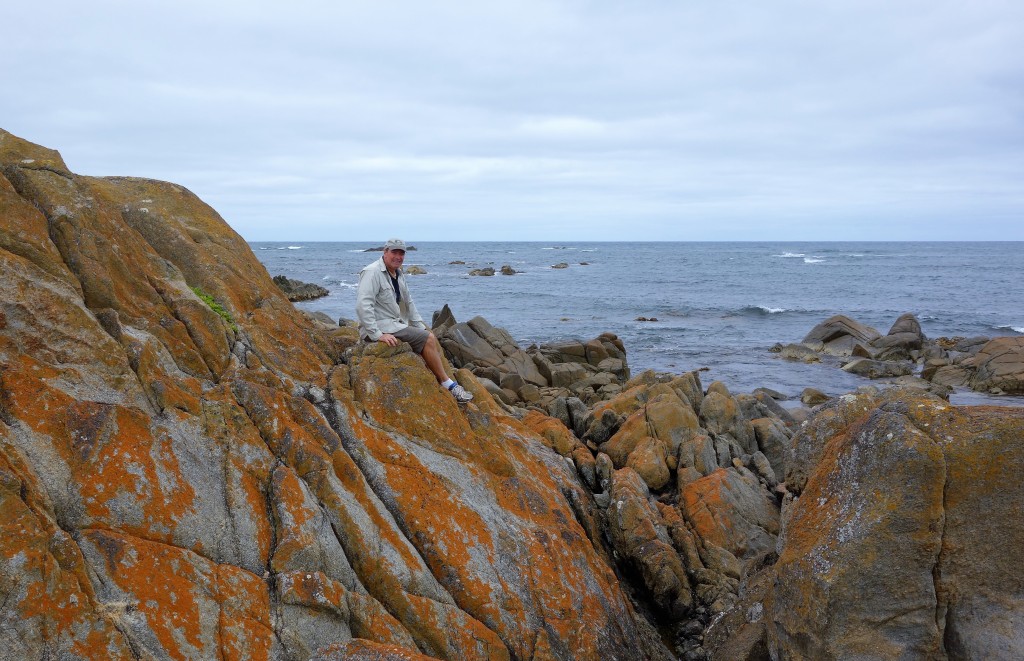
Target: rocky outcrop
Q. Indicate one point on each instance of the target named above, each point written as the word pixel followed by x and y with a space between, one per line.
pixel 182 482
pixel 296 290
pixel 192 468
pixel 536 377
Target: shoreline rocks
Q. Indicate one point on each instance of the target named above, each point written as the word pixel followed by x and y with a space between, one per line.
pixel 990 365
pixel 224 475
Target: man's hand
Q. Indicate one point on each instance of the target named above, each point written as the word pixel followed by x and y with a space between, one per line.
pixel 388 339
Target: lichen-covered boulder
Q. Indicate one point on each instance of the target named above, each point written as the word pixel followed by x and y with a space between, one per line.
pixel 894 548
pixel 720 413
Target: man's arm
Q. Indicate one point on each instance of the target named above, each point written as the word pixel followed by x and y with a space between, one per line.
pixel 364 306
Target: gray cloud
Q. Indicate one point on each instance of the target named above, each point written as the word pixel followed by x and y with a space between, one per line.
pixel 542 120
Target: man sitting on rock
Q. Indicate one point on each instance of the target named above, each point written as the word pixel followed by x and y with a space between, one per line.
pixel 387 314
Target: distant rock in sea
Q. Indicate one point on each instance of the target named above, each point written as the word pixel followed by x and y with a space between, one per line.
pixel 381 249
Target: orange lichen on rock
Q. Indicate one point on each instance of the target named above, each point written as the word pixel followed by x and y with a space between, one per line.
pixel 188 607
pixel 732 511
pixel 24 232
pixel 396 389
pixel 247 483
pixel 467 521
pixel 555 434
pixel 43 579
pixel 857 572
pixel 358 649
pixel 245 629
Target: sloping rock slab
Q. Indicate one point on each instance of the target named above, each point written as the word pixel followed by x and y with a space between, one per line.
pixel 839 326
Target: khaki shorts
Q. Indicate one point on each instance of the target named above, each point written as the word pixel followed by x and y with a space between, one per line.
pixel 416 337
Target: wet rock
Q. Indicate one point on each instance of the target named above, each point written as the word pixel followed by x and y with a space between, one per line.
pixel 773 394
pixel 951 375
pixel 799 352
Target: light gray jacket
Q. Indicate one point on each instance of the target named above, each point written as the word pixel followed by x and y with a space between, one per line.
pixel 376 308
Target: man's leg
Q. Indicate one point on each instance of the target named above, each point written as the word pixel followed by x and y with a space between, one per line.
pixel 432 357
pixel 429 349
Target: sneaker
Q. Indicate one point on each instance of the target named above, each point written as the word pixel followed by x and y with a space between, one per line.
pixel 460 394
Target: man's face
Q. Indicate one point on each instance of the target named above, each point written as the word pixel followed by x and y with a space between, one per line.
pixel 393 259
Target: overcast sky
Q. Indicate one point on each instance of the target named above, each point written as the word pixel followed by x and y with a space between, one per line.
pixel 562 120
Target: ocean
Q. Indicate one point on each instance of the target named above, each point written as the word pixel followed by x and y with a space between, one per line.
pixel 717 305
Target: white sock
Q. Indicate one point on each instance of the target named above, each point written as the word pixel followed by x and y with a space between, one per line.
pixel 448 383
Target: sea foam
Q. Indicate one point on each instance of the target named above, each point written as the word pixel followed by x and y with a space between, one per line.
pixel 1015 329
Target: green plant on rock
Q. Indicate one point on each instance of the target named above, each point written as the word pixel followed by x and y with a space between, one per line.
pixel 216 307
